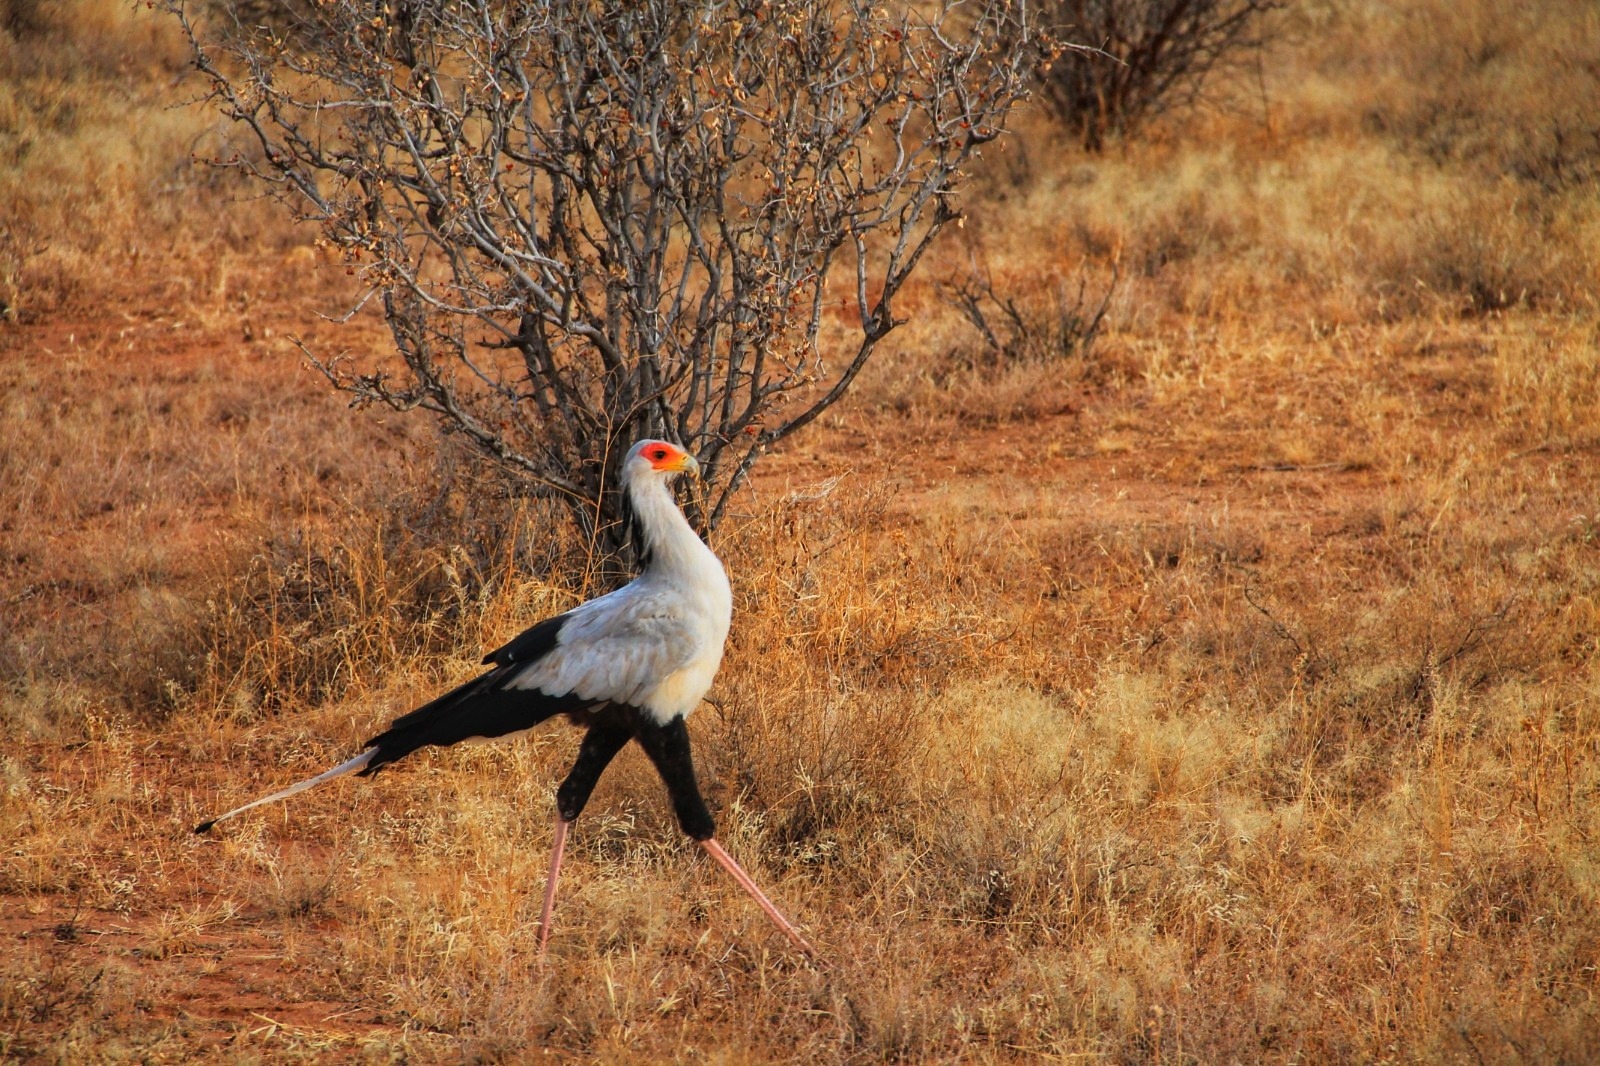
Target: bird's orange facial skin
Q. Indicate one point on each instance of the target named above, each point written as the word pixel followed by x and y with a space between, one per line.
pixel 666 458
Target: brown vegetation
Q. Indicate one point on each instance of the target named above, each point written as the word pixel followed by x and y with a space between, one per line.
pixel 1224 689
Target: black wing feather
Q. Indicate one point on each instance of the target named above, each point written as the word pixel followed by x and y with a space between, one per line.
pixel 484 706
pixel 531 645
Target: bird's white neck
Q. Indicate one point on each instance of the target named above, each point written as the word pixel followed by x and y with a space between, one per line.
pixel 671 543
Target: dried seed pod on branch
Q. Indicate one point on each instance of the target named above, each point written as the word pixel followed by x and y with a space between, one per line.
pixel 592 221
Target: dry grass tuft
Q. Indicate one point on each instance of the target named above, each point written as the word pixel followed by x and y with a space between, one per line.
pixel 94 162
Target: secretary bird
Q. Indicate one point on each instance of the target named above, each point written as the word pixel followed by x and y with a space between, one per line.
pixel 629 665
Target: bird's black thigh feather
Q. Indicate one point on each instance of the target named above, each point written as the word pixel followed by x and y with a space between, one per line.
pixel 668 748
pixel 600 745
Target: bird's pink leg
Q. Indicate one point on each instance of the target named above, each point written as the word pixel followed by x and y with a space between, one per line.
pixel 556 848
pixel 756 894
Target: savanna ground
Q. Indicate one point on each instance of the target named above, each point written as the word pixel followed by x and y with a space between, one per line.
pixel 1225 691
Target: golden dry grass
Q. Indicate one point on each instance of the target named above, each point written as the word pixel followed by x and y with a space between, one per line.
pixel 1227 692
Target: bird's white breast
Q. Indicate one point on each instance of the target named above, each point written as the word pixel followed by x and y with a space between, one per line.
pixel 682 690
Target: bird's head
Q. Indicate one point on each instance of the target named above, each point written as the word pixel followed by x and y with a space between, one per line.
pixel 659 457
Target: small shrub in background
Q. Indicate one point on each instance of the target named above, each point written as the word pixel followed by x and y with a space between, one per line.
pixel 1142 57
pixel 1017 326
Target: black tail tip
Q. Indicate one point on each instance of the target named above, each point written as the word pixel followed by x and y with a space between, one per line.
pixel 205 827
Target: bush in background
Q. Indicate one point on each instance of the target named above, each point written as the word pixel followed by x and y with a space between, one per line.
pixel 1141 58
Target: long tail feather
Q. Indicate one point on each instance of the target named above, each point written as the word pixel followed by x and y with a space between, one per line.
pixel 311 782
pixel 483 707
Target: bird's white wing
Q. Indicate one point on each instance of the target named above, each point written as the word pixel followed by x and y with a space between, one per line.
pixel 618 647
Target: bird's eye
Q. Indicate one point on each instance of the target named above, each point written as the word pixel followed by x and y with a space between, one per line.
pixel 659 454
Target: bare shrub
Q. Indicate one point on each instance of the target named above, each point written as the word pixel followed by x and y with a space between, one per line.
pixel 1053 326
pixel 587 224
pixel 1145 57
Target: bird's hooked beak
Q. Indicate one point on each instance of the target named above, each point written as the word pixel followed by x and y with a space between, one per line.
pixel 683 463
